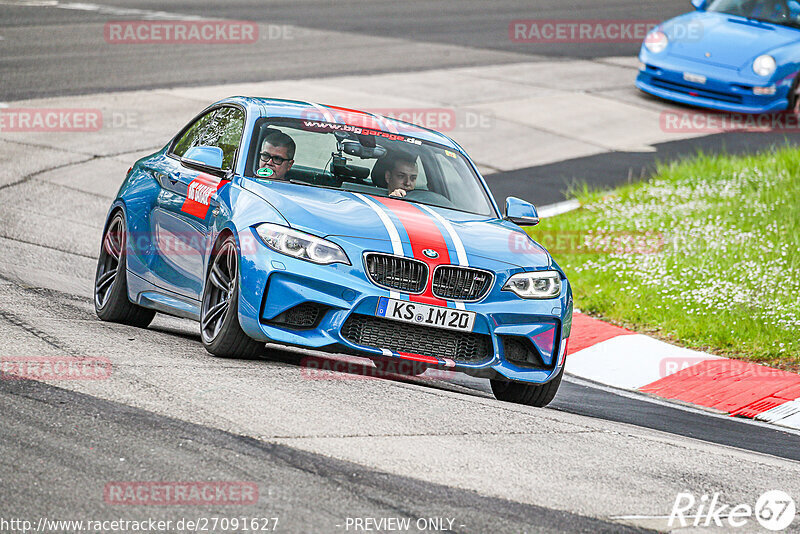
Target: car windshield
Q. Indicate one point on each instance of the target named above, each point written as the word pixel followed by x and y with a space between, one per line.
pixel 784 12
pixel 371 161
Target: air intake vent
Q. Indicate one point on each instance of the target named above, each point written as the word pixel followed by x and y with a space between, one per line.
pixel 520 351
pixel 461 283
pixel 305 315
pixel 382 333
pixel 396 272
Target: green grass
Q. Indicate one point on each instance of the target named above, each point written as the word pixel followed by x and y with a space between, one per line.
pixel 705 254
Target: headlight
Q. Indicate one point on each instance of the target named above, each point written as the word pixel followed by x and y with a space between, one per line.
pixel 539 285
pixel 764 65
pixel 301 245
pixel 656 42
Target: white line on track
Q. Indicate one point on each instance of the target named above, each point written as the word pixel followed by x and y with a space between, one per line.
pixel 551 210
pixel 102 10
pixel 687 516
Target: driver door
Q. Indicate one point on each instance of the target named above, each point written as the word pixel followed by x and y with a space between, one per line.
pixel 183 215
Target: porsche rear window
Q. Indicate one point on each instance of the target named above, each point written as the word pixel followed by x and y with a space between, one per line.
pixel 784 12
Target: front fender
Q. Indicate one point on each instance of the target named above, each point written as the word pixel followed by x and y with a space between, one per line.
pixel 240 211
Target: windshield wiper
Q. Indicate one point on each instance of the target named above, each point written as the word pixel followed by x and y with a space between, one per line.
pixel 756 19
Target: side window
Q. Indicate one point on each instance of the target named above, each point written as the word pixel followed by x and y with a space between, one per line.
pixel 222 127
pixel 192 136
pixel 225 131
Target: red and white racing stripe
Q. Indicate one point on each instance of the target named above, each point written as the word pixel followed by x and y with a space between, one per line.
pixel 394 235
pixel 423 234
pixel 326 113
pixel 461 252
pixel 418 222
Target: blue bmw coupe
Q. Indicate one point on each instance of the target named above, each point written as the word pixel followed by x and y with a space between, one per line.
pixel 732 55
pixel 276 221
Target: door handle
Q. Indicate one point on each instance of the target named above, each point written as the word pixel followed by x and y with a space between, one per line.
pixel 165 179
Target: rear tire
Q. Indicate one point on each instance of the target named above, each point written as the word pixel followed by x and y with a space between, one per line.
pixel 529 394
pixel 111 301
pixel 220 330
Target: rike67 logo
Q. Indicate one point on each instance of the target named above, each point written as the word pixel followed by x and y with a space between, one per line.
pixel 774 510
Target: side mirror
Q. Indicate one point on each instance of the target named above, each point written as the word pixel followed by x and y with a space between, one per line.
pixel 207 156
pixel 520 212
pixel 699 5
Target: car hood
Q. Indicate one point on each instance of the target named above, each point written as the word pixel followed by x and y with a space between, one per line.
pixel 328 212
pixel 725 40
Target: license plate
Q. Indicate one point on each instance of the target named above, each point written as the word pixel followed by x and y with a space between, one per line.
pixel 694 78
pixel 422 314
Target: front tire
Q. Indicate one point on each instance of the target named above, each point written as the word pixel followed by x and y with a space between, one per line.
pixel 530 394
pixel 220 330
pixel 110 282
pixel 794 97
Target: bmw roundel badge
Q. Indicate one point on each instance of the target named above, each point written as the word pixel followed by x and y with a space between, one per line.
pixel 430 253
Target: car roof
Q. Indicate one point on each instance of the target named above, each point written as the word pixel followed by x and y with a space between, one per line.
pixel 297 109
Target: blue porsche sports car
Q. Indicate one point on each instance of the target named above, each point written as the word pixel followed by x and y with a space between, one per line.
pixel 333 229
pixel 732 55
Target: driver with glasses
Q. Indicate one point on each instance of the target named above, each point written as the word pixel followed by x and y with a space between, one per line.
pixel 277 155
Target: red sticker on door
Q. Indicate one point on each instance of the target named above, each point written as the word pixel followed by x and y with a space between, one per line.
pixel 199 194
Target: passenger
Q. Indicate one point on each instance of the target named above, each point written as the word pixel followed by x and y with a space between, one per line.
pixel 277 155
pixel 401 174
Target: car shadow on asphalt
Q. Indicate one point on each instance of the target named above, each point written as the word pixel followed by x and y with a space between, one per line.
pixel 327 366
pixel 316 365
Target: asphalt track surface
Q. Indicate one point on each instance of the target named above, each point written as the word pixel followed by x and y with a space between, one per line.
pixel 52 51
pixel 324 451
pixel 308 492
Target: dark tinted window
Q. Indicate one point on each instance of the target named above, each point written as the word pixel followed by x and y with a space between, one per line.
pixel 777 11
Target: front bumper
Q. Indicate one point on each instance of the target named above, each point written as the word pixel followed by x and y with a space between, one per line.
pixel 724 89
pixel 274 286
